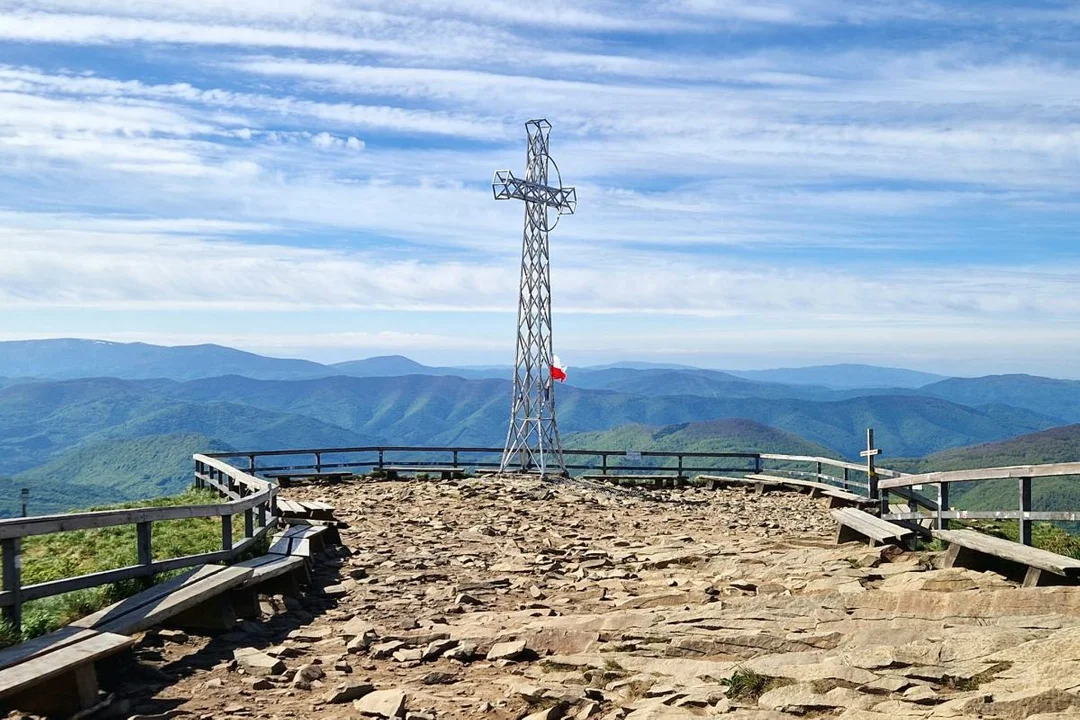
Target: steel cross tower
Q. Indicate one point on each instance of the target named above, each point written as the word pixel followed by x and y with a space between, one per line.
pixel 532 441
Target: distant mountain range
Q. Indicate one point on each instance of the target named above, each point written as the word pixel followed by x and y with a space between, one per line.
pixel 64 359
pixel 84 422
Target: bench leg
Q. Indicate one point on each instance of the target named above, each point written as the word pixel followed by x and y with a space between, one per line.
pixel 217 613
pixel 86 685
pixel 246 603
pixel 287 584
pixel 844 534
pixel 1032 577
pixel 62 696
pixel 951 556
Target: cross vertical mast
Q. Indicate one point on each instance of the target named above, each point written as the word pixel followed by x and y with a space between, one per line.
pixel 532 440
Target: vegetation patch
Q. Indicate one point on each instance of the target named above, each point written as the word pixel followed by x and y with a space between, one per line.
pixel 972 683
pixel 745 684
pixel 1044 535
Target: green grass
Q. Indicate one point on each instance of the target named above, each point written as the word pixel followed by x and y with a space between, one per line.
pixel 80 552
pixel 1044 535
pixel 745 684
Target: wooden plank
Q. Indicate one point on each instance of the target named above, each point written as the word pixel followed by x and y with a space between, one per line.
pixel 255 484
pixel 269 566
pixel 290 507
pixel 184 598
pixel 808 458
pixel 1058 516
pixel 1015 552
pixel 317 505
pixel 824 488
pixel 297 540
pixel 1014 472
pixel 630 476
pixel 869 526
pixel 48 524
pixel 156 604
pixel 49 665
pixel 63 637
pixel 148 596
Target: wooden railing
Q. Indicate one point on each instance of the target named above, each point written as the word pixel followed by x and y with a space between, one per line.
pixel 246 494
pixel 942 514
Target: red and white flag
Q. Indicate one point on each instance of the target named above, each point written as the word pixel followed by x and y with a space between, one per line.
pixel 558 370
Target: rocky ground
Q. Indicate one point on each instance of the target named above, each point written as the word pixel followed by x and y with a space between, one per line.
pixel 509 598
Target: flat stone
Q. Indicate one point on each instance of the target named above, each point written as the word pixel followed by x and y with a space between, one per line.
pixel 507 650
pixel 347 692
pixel 257 663
pixel 382 704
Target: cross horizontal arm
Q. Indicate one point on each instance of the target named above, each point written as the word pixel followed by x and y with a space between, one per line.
pixel 508 187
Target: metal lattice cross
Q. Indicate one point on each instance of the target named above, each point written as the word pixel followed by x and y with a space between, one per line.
pixel 532 440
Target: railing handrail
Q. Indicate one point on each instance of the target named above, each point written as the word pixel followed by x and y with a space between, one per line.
pixel 843 464
pixel 491 450
pixel 1008 472
pixel 48 524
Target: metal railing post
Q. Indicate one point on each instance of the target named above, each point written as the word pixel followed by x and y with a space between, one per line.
pixel 318 462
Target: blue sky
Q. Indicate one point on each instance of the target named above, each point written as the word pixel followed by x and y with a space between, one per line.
pixel 760 183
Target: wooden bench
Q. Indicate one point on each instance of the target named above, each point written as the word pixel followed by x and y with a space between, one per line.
pixel 270 575
pixel 968 548
pixel 446 473
pixel 854 524
pixel 285 479
pixel 837 496
pixel 718 481
pixel 55 675
pixel 665 480
pixel 304 509
pixel 196 599
pixel 301 541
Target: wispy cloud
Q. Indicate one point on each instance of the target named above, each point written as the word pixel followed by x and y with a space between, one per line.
pixel 794 163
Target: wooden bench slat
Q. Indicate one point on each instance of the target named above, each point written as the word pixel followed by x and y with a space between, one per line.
pixel 304 474
pixel 871 527
pixel 290 507
pixel 269 566
pixel 297 540
pixel 630 476
pixel 150 595
pixel 825 489
pixel 65 659
pixel 1009 550
pixel 161 602
pixel 22 652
